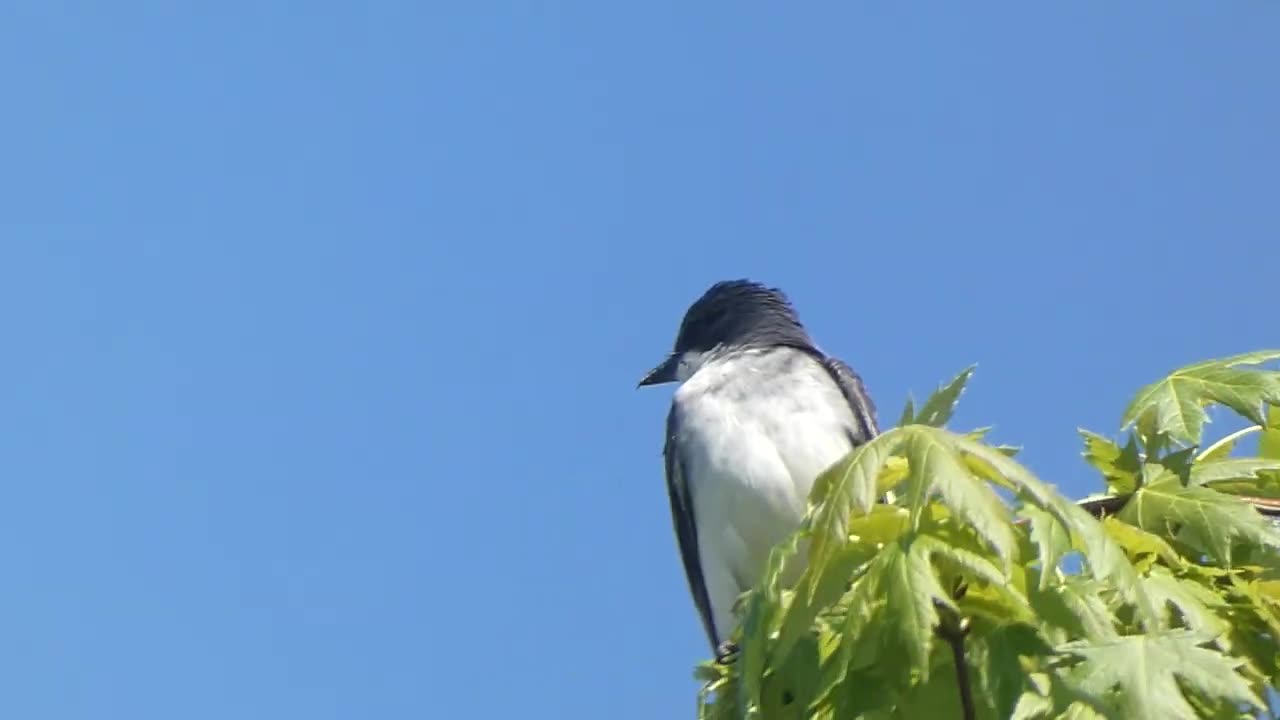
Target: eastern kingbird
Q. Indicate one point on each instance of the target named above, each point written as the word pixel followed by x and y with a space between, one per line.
pixel 760 413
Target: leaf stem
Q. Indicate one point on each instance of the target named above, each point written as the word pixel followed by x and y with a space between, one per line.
pixel 1229 439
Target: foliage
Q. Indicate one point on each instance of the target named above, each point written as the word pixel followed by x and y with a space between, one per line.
pixel 977 590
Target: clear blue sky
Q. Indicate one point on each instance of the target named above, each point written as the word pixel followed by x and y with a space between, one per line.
pixel 323 327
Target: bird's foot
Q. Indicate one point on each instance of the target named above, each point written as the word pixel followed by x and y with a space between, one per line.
pixel 726 653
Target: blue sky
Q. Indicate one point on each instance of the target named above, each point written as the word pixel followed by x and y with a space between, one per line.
pixel 323 327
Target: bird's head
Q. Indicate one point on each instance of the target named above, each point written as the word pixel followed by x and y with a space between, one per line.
pixel 730 315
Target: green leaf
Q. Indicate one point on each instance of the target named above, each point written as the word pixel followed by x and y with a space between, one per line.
pixel 1175 405
pixel 836 576
pixel 762 604
pixel 997 654
pixel 857 635
pixel 908 413
pixel 1120 466
pixel 1050 698
pixel 792 684
pixel 910 588
pixel 1258 477
pixel 1104 558
pixel 1178 462
pixel 935 465
pixel 1051 538
pixel 860 636
pixel 900 593
pixel 941 405
pixel 1143 676
pixel 1247 470
pixel 896 600
pixel 1138 542
pixel 720 683
pixel 1269 445
pixel 1196 604
pixel 847 486
pixel 833 670
pixel 864 693
pixel 1075 605
pixel 997 603
pixel 937 694
pixel 1261 600
pixel 965 562
pixel 1208 520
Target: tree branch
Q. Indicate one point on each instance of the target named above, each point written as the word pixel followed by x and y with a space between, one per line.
pixel 953 629
pixel 1112 504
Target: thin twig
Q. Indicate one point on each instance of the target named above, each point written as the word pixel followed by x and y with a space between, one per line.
pixel 1100 506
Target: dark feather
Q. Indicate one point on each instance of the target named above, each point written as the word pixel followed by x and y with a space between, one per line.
pixel 681 496
pixel 864 411
pixel 741 313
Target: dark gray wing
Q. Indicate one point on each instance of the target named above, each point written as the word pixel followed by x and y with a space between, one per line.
pixel 864 411
pixel 681 497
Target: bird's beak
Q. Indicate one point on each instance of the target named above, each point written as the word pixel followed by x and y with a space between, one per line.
pixel 664 373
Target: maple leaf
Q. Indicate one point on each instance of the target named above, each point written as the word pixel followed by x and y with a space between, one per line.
pixel 1206 519
pixel 1175 405
pixel 1143 676
pixel 940 406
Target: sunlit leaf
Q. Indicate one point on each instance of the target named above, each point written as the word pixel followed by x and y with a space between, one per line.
pixel 895 470
pixel 1052 698
pixel 792 684
pixel 1137 542
pixel 1209 520
pixel 1104 558
pixel 998 653
pixel 1143 677
pixel 1120 466
pixel 1193 602
pixel 936 466
pixel 937 694
pixel 1175 405
pixel 1051 538
pixel 1075 605
pixel 908 415
pixel 1166 605
pixel 1269 444
pixel 941 405
pixel 864 693
pixel 847 486
pixel 964 561
pixel 761 606
pixel 905 578
pixel 835 577
pixel 1245 469
pixel 1254 476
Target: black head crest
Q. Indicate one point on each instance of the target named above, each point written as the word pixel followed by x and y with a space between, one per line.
pixel 740 313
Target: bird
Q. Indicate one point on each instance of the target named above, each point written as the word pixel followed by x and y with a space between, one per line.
pixel 759 412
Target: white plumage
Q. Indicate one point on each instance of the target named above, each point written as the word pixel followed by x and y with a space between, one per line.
pixel 754 429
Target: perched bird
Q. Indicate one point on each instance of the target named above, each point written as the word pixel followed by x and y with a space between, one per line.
pixel 759 414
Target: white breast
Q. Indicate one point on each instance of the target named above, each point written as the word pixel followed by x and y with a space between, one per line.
pixel 755 430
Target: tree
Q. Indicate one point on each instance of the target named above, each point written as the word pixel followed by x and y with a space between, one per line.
pixel 936 577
